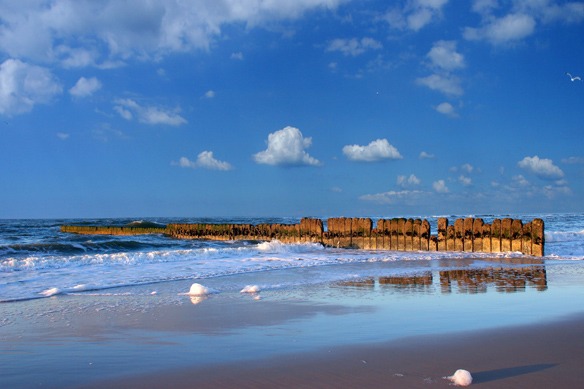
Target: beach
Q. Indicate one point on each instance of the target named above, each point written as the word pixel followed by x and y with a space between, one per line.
pixel 537 356
pixel 511 322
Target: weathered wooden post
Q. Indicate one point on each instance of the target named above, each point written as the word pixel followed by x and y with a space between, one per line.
pixel 401 235
pixel 506 234
pixel 459 235
pixel 442 234
pixel 394 230
pixel 526 239
pixel 538 242
pixel 486 239
pixel 468 234
pixel 516 235
pixel 425 235
pixel 477 232
pixel 408 234
pixel 496 236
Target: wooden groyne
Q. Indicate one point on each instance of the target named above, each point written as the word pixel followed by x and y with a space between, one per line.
pixel 399 234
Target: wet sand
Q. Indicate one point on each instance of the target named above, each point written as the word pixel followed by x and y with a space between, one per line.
pixel 543 355
pixel 511 327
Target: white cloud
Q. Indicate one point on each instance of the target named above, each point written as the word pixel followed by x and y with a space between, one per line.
pixel 447 109
pixel 573 160
pixel 237 56
pixel 85 87
pixel 447 84
pixel 426 155
pixel 377 150
pixel 464 180
pixel 209 94
pixel 63 135
pixel 392 197
pixel 128 109
pixel 520 19
pixel 55 31
pixel 353 47
pixel 22 86
pixel 484 7
pixel 416 14
pixel 543 168
pixel 440 186
pixel 204 160
pixel 443 55
pixel 520 180
pixel 287 147
pixel 510 28
pixel 405 181
pixel 467 167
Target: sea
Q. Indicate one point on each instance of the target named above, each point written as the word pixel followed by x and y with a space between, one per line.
pixel 39 261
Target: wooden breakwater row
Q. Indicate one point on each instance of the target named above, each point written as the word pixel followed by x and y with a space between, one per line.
pixel 399 234
pixel 113 230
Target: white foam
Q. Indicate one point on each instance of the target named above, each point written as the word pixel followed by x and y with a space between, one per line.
pixel 50 292
pixel 198 290
pixel 461 377
pixel 251 289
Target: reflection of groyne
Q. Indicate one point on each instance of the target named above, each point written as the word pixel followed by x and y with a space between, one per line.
pixel 505 280
pixel 506 275
pixel 400 234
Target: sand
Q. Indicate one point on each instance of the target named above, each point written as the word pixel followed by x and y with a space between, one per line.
pixel 510 327
pixel 537 356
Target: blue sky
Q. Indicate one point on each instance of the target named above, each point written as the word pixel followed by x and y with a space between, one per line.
pixel 290 107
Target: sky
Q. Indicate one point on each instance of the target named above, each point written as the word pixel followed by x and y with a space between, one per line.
pixel 291 108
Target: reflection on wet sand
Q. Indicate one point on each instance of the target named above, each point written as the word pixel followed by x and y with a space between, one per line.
pixel 504 279
pixel 506 275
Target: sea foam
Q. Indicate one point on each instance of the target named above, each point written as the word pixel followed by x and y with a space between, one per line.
pixel 461 377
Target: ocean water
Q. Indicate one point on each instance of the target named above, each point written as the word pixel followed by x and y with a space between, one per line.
pixel 76 309
pixel 38 261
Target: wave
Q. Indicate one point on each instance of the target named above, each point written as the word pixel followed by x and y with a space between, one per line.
pixel 75 247
pixel 564 236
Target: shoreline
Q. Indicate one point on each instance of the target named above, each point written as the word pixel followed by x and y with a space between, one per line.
pixel 536 356
pixel 513 323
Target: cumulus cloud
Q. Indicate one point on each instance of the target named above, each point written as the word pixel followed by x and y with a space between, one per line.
pixel 287 147
pixel 447 109
pixel 377 150
pixel 128 109
pixel 353 47
pixel 210 94
pixel 54 31
pixel 426 155
pixel 542 167
pixel 464 180
pixel 444 83
pixel 405 181
pixel 416 14
pixel 443 55
pixel 22 86
pixel 440 186
pixel 85 87
pixel 510 22
pixel 205 160
pixel 444 62
pixel 510 28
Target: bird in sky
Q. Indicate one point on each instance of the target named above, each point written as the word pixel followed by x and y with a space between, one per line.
pixel 573 78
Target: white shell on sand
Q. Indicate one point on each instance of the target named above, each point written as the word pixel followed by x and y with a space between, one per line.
pixel 461 378
pixel 251 289
pixel 198 290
